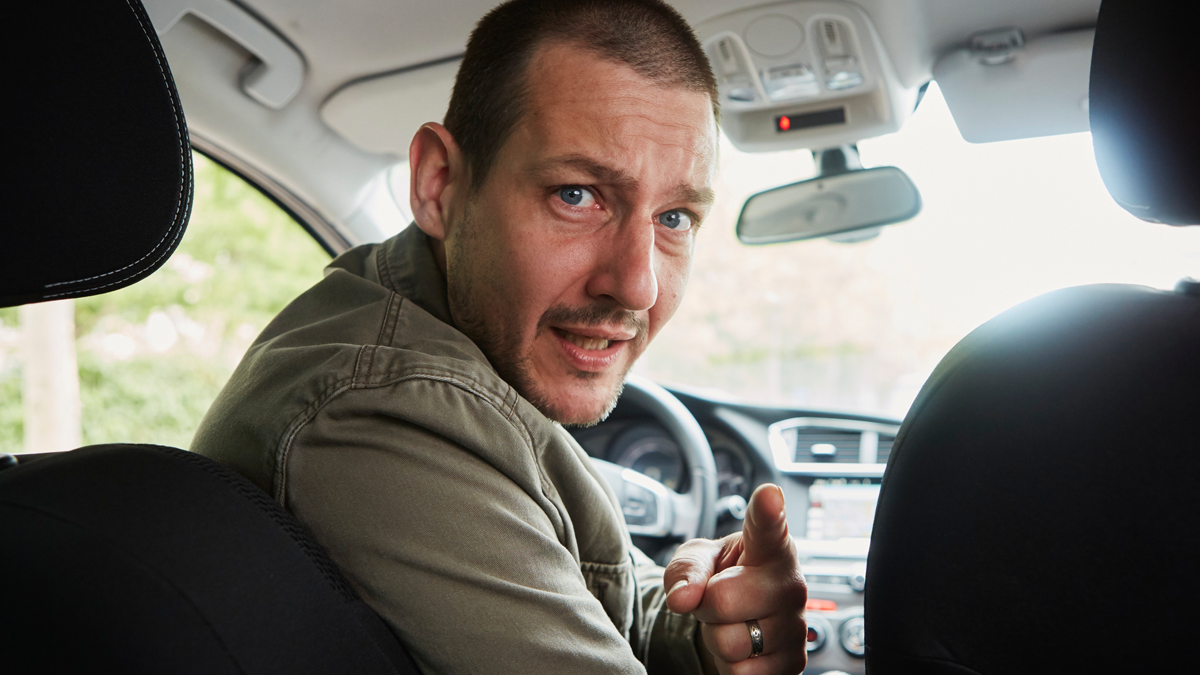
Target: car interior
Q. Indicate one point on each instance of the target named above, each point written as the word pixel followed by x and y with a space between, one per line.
pixel 1030 512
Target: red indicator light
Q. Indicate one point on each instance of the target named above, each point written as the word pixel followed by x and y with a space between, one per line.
pixel 820 605
pixel 785 123
pixel 812 634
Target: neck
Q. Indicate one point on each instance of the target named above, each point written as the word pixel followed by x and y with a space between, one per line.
pixel 439 253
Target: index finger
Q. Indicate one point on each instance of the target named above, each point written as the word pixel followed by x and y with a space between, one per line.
pixel 765 535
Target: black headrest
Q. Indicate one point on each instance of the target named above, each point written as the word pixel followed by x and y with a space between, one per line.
pixel 1038 512
pixel 99 184
pixel 1144 105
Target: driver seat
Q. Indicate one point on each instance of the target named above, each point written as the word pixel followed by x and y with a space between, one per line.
pixel 135 558
pixel 1037 513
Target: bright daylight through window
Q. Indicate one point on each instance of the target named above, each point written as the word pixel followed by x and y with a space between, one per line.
pixel 858 327
pixel 151 357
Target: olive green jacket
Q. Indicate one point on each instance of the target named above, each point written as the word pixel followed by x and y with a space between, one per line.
pixel 475 526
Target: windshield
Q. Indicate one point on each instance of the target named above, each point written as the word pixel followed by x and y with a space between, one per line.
pixel 859 327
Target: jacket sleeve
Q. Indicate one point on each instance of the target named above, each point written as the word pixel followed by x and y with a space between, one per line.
pixel 663 640
pixel 461 561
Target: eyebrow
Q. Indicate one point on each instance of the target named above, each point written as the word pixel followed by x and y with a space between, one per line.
pixel 602 173
pixel 687 193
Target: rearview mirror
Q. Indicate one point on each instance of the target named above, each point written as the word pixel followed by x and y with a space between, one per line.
pixel 859 199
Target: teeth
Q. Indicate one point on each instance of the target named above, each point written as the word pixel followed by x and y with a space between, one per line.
pixel 590 344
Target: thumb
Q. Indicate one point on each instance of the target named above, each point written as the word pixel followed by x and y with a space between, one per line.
pixel 765 531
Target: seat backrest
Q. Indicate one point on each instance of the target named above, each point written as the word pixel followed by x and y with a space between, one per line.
pixel 1036 513
pixel 145 559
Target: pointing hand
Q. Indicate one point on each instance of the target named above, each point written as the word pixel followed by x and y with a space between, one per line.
pixel 751 576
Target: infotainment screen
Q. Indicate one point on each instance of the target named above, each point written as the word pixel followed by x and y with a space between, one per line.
pixel 841 508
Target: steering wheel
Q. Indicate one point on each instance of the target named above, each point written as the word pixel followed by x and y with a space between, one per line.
pixel 652 509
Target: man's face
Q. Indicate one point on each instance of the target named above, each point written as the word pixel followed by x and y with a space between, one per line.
pixel 577 247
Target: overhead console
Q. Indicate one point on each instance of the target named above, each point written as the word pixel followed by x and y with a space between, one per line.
pixel 803 75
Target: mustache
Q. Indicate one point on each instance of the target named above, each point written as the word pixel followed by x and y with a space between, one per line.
pixel 593 315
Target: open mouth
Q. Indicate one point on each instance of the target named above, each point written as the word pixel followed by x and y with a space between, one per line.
pixel 590 353
pixel 583 341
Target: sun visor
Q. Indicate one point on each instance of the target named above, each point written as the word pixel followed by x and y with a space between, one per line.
pixel 381 114
pixel 1145 108
pixel 1002 88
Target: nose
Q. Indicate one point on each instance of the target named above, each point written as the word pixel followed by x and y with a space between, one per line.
pixel 624 272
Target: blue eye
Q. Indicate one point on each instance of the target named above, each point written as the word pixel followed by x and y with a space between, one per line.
pixel 576 196
pixel 675 220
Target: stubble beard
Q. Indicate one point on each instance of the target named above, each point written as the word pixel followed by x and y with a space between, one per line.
pixel 503 348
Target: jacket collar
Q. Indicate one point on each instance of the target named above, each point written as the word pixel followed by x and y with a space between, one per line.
pixel 407 267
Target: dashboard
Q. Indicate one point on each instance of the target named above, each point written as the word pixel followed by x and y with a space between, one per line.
pixel 830 466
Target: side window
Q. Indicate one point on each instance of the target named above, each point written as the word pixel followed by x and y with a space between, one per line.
pixel 151 357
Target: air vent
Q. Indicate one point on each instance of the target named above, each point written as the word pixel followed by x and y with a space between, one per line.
pixel 885 448
pixel 831 447
pixel 814 444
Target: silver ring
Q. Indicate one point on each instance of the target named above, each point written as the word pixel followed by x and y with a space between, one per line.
pixel 756 641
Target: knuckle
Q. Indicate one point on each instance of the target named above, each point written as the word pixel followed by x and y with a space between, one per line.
pixel 722 601
pixel 792 587
pixel 797 591
pixel 691 555
pixel 682 567
pixel 692 545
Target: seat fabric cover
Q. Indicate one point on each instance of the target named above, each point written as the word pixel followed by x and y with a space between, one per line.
pixel 142 559
pixel 1144 104
pixel 99 167
pixel 1038 512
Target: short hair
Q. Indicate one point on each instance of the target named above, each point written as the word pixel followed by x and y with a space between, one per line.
pixel 490 90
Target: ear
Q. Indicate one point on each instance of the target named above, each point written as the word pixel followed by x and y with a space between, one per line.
pixel 438 173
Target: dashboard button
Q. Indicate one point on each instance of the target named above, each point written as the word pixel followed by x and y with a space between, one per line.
pixel 851 634
pixel 818 631
pixel 858 577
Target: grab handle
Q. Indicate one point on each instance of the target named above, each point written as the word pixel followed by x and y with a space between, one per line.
pixel 275 80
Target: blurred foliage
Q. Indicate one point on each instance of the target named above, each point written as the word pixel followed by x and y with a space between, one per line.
pixel 154 399
pixel 241 261
pixel 12 416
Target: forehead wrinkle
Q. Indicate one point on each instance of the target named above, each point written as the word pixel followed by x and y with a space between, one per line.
pixel 629 105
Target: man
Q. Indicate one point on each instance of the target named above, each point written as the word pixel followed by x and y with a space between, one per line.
pixel 407 408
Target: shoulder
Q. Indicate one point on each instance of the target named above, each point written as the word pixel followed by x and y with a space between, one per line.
pixel 349 333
